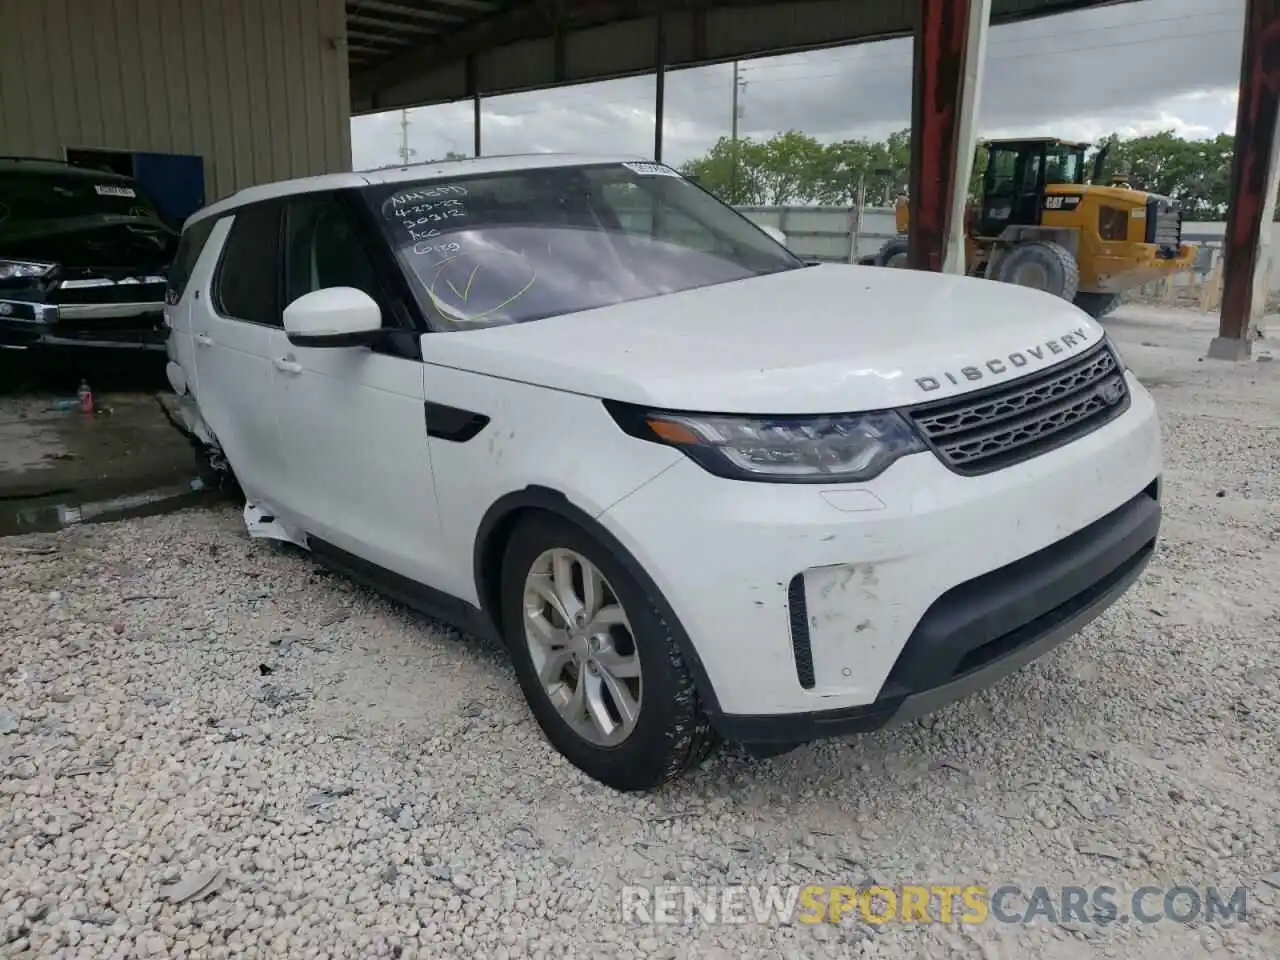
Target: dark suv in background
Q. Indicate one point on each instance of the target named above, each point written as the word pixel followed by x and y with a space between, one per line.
pixel 83 258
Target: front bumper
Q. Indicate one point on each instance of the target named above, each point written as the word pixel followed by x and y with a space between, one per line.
pixel 819 610
pixel 136 326
pixel 988 628
pixel 1117 274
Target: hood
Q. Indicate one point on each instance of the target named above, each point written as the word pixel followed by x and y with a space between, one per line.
pixel 100 241
pixel 1118 195
pixel 824 339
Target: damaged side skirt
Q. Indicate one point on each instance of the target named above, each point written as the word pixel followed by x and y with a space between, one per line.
pixel 262 524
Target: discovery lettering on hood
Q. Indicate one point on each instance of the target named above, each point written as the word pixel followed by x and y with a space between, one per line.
pixel 1065 344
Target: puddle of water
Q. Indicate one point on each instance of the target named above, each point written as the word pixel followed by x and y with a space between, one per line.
pixel 42 516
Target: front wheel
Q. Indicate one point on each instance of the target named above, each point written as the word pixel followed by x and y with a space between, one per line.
pixel 1097 305
pixel 893 253
pixel 1042 265
pixel 599 666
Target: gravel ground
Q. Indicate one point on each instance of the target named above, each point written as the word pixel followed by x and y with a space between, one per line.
pixel 211 748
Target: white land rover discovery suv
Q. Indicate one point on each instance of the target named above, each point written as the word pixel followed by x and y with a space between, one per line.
pixel 700 488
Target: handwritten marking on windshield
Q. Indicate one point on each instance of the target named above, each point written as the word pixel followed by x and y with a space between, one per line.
pixel 427 247
pixel 393 206
pixel 465 292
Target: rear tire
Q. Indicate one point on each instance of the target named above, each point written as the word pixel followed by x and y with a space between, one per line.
pixel 623 658
pixel 893 253
pixel 1041 265
pixel 1097 305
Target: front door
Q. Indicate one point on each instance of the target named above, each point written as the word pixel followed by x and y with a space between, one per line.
pixel 1012 186
pixel 352 419
pixel 1026 210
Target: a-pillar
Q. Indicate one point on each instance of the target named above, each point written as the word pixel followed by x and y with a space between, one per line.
pixel 1255 175
pixel 950 46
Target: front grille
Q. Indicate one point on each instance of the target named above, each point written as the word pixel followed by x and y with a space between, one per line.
pixel 1164 225
pixel 1001 426
pixel 107 292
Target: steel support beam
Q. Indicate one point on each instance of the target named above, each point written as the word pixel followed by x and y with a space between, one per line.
pixel 1254 173
pixel 474 89
pixel 950 43
pixel 659 86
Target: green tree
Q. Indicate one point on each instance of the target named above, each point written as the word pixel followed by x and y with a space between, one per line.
pixel 794 168
pixel 790 166
pixel 729 170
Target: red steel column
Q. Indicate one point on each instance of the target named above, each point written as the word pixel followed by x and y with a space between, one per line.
pixel 1253 179
pixel 944 95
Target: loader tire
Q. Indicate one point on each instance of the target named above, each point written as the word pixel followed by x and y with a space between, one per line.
pixel 1042 265
pixel 893 253
pixel 1097 305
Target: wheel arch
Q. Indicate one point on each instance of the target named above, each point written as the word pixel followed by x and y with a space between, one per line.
pixel 501 520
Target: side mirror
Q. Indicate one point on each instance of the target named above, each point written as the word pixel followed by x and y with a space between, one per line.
pixel 333 317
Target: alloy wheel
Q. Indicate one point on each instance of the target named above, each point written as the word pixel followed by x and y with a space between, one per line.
pixel 582 647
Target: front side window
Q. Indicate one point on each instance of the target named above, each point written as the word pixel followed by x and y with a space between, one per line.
pixel 322 249
pixel 512 247
pixel 247 284
pixel 1002 172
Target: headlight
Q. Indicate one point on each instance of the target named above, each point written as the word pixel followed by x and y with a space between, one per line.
pixel 840 448
pixel 19 269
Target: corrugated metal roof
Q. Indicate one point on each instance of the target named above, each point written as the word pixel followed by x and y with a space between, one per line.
pixel 378 30
pixel 408 52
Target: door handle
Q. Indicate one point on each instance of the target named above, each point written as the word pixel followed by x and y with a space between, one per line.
pixel 287 364
pixel 204 340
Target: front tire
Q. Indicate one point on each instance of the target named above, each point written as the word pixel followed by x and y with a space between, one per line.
pixel 1041 265
pixel 893 253
pixel 598 664
pixel 1097 305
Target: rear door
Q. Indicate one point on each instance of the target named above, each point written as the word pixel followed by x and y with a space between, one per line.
pixel 235 332
pixel 187 284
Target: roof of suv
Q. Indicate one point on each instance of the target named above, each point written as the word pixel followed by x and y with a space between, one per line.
pixel 438 170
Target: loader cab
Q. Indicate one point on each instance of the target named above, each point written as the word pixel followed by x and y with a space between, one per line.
pixel 1014 187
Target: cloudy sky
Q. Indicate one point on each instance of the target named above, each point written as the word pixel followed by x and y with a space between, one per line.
pixel 1135 68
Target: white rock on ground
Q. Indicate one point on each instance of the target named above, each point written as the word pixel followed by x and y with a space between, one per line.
pixel 383 791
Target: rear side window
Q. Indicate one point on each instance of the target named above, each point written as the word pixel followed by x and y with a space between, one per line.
pixel 247 283
pixel 184 261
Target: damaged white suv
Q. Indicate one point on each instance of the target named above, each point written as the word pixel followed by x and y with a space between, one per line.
pixel 700 488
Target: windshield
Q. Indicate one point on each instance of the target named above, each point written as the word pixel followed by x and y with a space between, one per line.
pixel 506 248
pixel 28 197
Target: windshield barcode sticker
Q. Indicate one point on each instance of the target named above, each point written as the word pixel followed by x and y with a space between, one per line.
pixel 651 170
pixel 106 190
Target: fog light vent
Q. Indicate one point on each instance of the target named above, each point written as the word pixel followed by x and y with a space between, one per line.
pixel 800 649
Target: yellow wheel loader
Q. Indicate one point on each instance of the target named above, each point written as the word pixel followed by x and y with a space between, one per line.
pixel 1042 223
